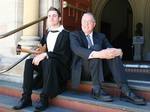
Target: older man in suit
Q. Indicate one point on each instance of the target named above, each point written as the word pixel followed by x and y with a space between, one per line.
pixel 89 49
pixel 52 61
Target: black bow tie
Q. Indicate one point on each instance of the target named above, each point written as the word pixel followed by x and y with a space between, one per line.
pixel 54 31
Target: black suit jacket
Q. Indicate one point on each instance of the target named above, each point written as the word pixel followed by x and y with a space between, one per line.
pixel 61 51
pixel 79 46
pixel 61 56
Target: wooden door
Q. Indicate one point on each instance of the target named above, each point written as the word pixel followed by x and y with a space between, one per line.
pixel 72 11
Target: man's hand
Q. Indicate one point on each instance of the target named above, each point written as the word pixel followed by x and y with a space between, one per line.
pixel 114 52
pixel 40 49
pixel 108 53
pixel 38 58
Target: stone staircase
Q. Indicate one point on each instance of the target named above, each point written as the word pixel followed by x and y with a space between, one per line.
pixel 7 102
pixel 75 100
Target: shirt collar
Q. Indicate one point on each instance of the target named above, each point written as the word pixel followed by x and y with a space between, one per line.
pixel 91 34
pixel 60 28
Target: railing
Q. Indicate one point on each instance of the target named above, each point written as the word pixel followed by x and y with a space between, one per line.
pixel 22 27
pixel 66 4
pixel 17 30
pixel 13 65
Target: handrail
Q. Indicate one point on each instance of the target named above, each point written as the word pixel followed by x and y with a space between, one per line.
pixel 22 27
pixel 10 67
pixel 66 4
pixel 17 30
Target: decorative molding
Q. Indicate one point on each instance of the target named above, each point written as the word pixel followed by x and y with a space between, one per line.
pixel 134 12
pixel 97 11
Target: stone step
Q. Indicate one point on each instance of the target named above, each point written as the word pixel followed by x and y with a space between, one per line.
pixel 7 102
pixel 76 100
pixel 5 109
pixel 141 88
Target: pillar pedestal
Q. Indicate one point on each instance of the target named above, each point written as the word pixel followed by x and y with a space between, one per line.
pixel 30 36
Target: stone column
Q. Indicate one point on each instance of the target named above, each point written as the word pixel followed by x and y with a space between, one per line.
pixel 54 3
pixel 30 13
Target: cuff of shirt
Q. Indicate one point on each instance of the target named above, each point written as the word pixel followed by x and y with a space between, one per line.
pixel 45 54
pixel 91 55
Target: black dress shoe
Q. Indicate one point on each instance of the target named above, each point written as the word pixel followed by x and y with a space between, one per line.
pixel 129 96
pixel 41 106
pixel 101 95
pixel 23 103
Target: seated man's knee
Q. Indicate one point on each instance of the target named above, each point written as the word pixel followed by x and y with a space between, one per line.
pixel 44 61
pixel 95 61
pixel 28 61
pixel 117 58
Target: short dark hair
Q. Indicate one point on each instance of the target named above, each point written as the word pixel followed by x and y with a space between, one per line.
pixel 55 9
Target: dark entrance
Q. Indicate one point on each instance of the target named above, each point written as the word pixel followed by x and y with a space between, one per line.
pixel 117 25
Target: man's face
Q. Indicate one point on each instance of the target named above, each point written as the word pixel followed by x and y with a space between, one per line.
pixel 53 18
pixel 87 23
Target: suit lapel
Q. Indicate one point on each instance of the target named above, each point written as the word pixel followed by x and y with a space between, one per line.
pixel 58 40
pixel 95 39
pixel 83 38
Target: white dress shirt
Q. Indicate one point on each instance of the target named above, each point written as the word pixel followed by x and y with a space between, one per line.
pixel 52 37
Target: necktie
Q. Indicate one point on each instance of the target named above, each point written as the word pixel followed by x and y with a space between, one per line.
pixel 89 41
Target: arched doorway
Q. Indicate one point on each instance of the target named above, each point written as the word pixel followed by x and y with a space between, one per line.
pixel 116 23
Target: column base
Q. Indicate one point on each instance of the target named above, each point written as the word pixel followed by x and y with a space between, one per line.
pixel 30 41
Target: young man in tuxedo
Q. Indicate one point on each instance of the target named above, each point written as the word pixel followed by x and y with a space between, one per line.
pixel 89 49
pixel 51 61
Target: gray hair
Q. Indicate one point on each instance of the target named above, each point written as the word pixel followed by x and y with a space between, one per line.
pixel 89 13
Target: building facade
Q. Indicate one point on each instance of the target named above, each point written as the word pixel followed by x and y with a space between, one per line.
pixel 118 19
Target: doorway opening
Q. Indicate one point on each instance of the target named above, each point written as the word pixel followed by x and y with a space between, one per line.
pixel 116 23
